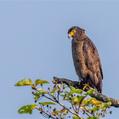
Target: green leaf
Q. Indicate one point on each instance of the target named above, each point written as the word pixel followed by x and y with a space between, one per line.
pixel 40 92
pixel 41 82
pixel 66 96
pixel 27 109
pixel 92 118
pixel 76 117
pixel 94 109
pixel 24 82
pixel 87 102
pixel 46 103
pixel 36 98
pixel 104 106
pixel 95 102
pixel 90 92
pixel 74 90
pixel 53 91
pixel 77 99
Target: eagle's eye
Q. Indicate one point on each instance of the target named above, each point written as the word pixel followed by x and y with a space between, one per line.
pixel 71 34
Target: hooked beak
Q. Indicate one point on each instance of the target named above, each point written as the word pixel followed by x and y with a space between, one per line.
pixel 69 36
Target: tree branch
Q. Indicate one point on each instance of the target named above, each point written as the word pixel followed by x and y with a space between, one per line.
pixel 80 85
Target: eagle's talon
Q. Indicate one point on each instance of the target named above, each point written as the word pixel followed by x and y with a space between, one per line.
pixel 86 86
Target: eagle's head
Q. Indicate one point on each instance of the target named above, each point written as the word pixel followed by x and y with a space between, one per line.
pixel 75 32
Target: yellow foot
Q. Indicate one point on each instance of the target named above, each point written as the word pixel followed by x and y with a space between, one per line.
pixel 86 86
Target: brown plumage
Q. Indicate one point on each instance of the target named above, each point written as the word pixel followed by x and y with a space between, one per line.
pixel 86 58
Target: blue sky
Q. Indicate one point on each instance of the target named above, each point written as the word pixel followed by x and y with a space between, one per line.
pixel 34 43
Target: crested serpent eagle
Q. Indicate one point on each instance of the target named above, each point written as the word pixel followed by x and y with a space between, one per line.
pixel 86 58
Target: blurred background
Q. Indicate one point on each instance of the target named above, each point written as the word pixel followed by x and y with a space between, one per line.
pixel 34 43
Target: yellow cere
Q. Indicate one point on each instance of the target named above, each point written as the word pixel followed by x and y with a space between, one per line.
pixel 72 33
